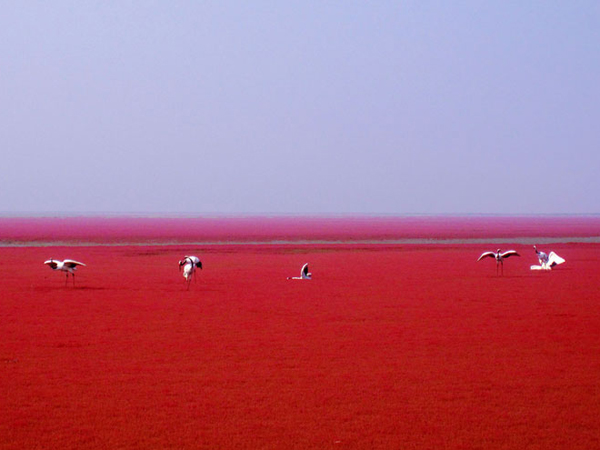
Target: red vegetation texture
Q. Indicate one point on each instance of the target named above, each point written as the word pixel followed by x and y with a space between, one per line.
pixel 388 346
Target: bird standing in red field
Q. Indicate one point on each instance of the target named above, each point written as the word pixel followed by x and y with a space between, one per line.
pixel 189 264
pixel 68 265
pixel 499 257
pixel 547 262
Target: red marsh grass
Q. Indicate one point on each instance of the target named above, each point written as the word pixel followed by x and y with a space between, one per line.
pixel 389 346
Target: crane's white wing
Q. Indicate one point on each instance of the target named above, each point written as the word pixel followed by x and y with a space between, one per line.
pixel 508 253
pixel 486 254
pixel 52 263
pixel 304 270
pixel 71 263
pixel 554 259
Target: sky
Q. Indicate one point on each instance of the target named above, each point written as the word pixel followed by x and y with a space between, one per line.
pixel 300 107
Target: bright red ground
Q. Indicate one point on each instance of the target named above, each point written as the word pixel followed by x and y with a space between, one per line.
pixel 408 346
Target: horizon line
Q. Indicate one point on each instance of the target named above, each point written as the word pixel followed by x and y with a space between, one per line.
pixel 209 215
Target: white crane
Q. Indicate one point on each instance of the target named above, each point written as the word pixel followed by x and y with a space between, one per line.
pixel 499 257
pixel 542 257
pixel 189 264
pixel 68 265
pixel 547 262
pixel 304 274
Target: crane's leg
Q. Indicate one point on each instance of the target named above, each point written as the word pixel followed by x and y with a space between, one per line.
pixel 67 279
pixel 73 279
pixel 502 264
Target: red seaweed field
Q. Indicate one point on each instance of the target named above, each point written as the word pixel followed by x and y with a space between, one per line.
pixel 394 343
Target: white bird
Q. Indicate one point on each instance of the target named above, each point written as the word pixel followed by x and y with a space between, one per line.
pixel 68 265
pixel 304 274
pixel 499 257
pixel 547 262
pixel 189 264
pixel 542 257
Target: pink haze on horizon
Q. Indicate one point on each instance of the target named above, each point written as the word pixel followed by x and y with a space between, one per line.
pixel 202 229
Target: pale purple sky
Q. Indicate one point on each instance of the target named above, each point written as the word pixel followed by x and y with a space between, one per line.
pixel 322 107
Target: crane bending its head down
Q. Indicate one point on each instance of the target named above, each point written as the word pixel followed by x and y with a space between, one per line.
pixel 189 264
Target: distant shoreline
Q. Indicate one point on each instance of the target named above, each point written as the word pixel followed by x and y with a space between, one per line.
pixel 304 230
pixel 382 243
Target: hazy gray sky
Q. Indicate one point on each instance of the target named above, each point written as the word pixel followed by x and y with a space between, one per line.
pixel 300 107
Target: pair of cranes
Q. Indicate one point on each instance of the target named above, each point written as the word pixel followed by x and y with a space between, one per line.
pixel 188 263
pixel 547 262
pixel 69 266
pixel 191 263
